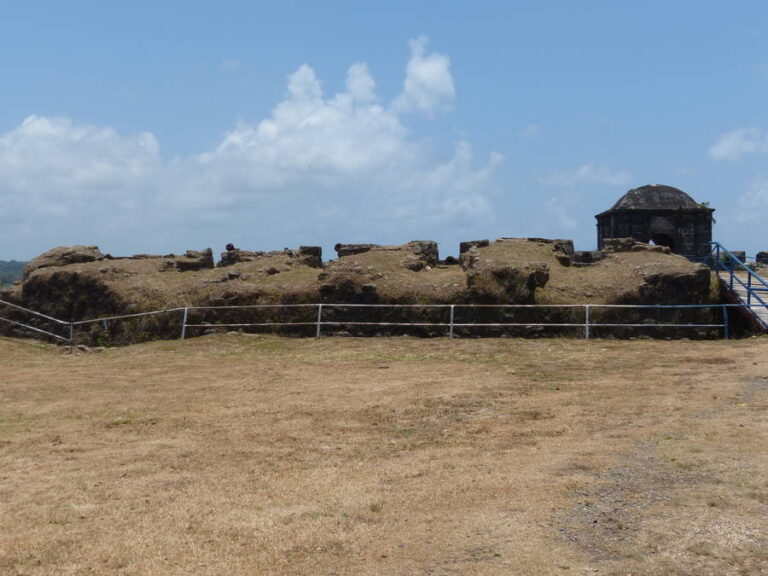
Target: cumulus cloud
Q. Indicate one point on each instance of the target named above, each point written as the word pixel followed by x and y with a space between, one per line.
pixel 740 143
pixel 307 133
pixel 344 164
pixel 428 85
pixel 55 152
pixel 350 149
pixel 57 176
pixel 589 173
pixel 360 84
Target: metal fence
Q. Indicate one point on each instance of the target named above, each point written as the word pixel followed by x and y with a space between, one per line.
pixel 324 316
pixel 449 320
pixel 44 330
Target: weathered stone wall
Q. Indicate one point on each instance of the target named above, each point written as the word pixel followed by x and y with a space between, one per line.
pixel 688 231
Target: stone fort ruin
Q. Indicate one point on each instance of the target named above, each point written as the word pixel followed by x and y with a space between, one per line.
pixel 661 215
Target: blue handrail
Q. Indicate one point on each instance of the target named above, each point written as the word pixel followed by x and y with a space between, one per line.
pixel 754 284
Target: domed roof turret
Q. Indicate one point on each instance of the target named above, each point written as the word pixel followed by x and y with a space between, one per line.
pixel 655 197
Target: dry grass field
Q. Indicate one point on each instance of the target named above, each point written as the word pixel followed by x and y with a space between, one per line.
pixel 237 454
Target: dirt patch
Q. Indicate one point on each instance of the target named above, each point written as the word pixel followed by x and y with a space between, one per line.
pixel 671 506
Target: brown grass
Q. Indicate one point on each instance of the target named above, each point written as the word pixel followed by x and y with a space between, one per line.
pixel 239 454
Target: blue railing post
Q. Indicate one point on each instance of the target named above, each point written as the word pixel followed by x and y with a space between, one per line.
pixel 731 269
pixel 726 331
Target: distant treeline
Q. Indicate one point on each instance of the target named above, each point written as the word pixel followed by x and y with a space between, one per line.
pixel 10 271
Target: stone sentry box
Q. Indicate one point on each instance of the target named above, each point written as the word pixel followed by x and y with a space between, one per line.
pixel 661 215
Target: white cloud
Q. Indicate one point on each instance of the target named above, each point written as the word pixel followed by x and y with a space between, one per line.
pixel 561 208
pixel 428 85
pixel 56 150
pixel 360 84
pixel 589 173
pixel 344 165
pixel 753 204
pixel 345 148
pixel 309 134
pixel 303 85
pixel 55 166
pixel 66 183
pixel 530 131
pixel 466 199
pixel 740 143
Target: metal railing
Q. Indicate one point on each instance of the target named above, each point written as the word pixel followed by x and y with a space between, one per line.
pixel 747 259
pixel 36 315
pixel 756 287
pixel 451 324
pixel 322 317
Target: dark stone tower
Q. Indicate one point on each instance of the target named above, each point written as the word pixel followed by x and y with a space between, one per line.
pixel 660 214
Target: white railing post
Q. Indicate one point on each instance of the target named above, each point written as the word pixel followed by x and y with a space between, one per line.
pixel 450 329
pixel 319 320
pixel 184 323
pixel 586 321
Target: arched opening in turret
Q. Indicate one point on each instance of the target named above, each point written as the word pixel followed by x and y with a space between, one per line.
pixel 663 240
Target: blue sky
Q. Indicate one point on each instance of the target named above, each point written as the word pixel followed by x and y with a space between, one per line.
pixel 162 126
